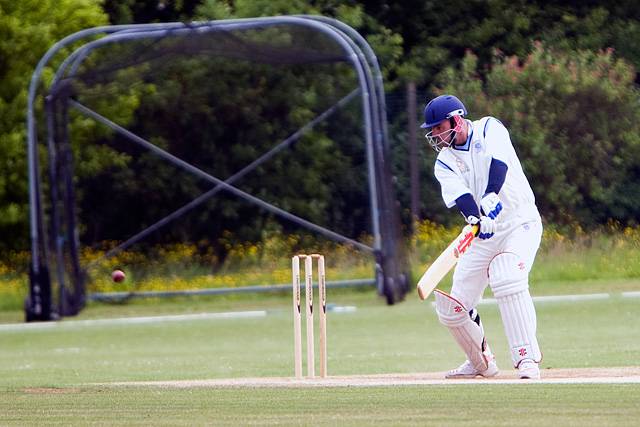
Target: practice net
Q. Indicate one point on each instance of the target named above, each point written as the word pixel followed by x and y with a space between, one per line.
pixel 199 136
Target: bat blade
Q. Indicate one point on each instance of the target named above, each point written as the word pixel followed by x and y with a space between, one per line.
pixel 445 262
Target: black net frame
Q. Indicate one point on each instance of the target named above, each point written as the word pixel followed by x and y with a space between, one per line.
pixel 55 261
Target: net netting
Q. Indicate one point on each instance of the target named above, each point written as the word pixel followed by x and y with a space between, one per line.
pixel 147 131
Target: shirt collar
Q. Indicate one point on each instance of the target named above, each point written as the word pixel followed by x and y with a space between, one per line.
pixel 467 144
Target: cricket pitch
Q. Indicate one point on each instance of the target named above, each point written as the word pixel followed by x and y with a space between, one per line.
pixel 621 375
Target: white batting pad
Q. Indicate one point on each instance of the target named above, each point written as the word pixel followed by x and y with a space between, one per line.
pixel 519 319
pixel 508 274
pixel 508 278
pixel 467 333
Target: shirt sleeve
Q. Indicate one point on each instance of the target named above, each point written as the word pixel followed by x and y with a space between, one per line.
pixel 498 140
pixel 451 185
pixel 467 206
pixel 497 175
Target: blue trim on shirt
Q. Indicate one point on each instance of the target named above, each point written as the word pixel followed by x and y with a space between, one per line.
pixel 443 164
pixel 467 205
pixel 486 124
pixel 497 175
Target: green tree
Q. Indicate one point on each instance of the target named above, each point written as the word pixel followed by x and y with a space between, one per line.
pixel 27 30
pixel 437 34
pixel 147 11
pixel 574 118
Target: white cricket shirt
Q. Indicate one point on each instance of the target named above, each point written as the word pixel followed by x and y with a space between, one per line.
pixel 465 169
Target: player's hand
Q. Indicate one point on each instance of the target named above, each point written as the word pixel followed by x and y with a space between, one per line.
pixel 491 205
pixel 487 226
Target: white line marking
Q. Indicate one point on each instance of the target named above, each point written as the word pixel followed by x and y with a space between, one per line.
pixel 560 298
pixel 133 320
pixel 262 313
pixel 341 308
pixel 635 294
pixel 557 298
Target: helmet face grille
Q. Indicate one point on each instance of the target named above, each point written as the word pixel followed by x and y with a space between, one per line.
pixel 441 141
pixel 445 139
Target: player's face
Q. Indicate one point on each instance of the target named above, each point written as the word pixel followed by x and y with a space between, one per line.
pixel 441 135
pixel 440 130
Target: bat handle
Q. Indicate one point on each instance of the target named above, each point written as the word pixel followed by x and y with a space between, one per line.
pixel 421 293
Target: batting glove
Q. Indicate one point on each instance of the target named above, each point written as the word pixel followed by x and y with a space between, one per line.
pixel 487 226
pixel 491 205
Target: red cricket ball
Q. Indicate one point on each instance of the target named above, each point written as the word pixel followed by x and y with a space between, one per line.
pixel 118 276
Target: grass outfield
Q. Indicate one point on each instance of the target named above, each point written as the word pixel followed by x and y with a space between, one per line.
pixel 48 374
pixel 522 405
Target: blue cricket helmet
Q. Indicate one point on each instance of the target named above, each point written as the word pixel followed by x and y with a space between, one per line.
pixel 441 108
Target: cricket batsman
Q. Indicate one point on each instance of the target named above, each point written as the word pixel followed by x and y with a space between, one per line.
pixel 480 174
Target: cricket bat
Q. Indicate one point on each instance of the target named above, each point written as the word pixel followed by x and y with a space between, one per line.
pixel 445 262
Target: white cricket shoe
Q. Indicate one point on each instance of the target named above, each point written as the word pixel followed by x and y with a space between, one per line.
pixel 466 370
pixel 528 369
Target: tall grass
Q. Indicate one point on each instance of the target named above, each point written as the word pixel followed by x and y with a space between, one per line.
pixel 611 252
pixel 569 254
